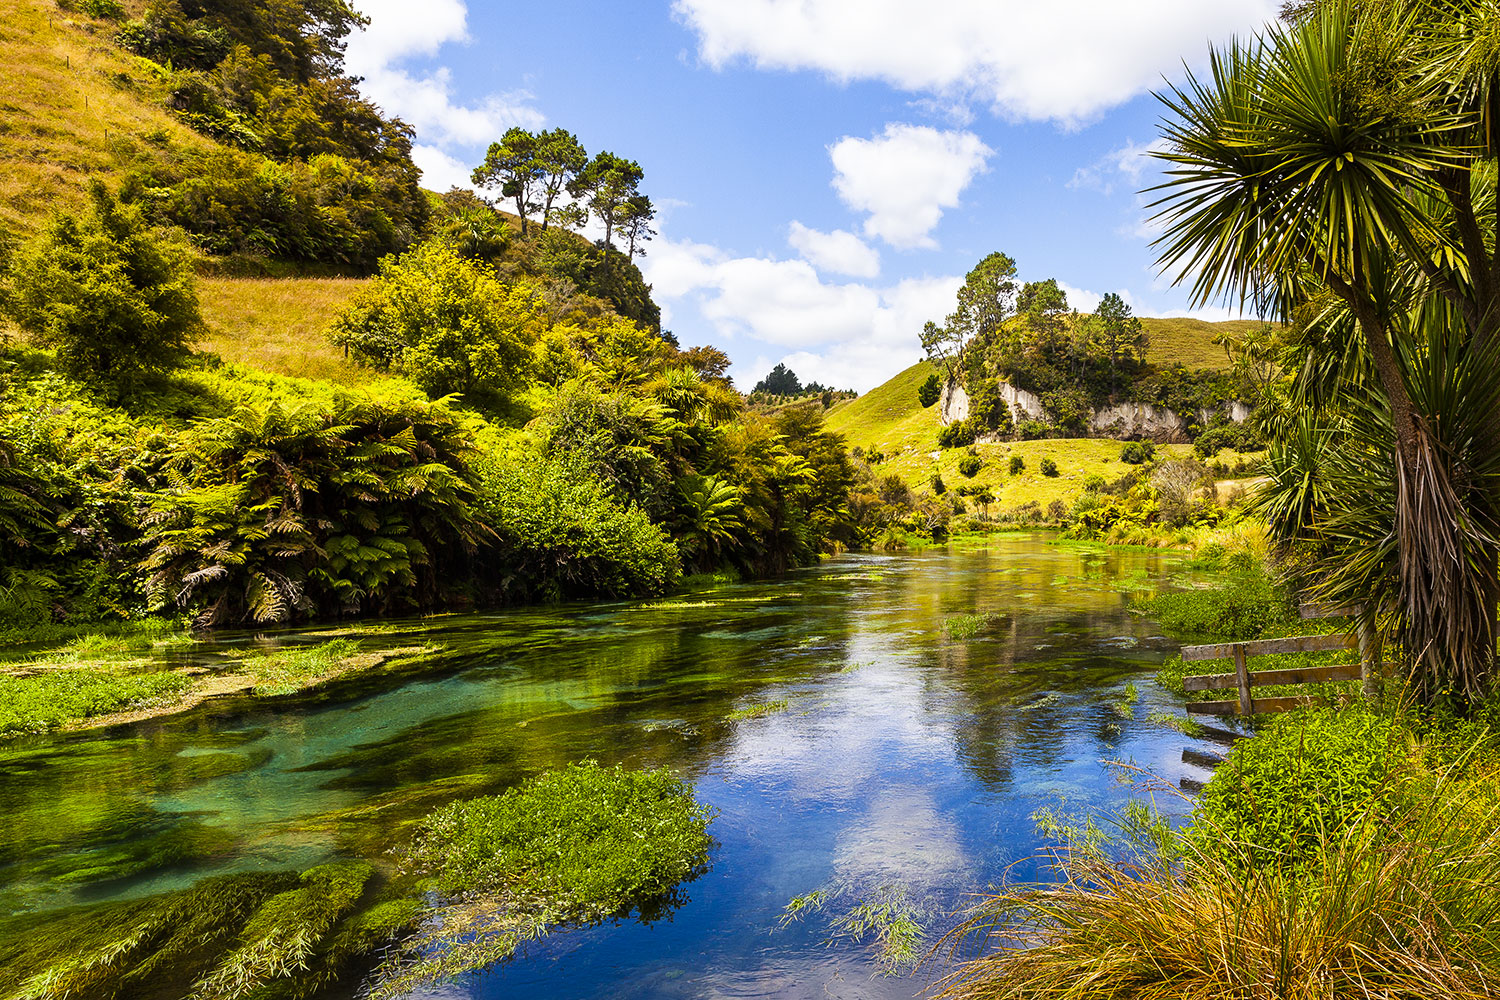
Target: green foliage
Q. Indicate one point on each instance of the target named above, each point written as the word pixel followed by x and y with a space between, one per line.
pixel 445 322
pixel 280 510
pixel 114 298
pixel 929 391
pixel 959 434
pixel 41 701
pixel 560 534
pixel 1017 465
pixel 288 671
pixel 1246 605
pixel 1306 778
pixel 1137 452
pixel 226 936
pixel 583 843
pixel 1049 467
pixel 313 170
pixel 969 466
pixel 938 486
pixel 758 710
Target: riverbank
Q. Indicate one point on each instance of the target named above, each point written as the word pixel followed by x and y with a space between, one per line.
pixel 102 680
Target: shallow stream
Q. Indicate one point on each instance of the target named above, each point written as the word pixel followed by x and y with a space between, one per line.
pixel 903 758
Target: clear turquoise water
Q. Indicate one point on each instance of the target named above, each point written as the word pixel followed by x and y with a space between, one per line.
pixel 904 757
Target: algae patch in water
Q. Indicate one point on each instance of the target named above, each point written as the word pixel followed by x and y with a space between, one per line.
pixel 583 843
pixel 962 627
pixel 227 936
pixel 758 710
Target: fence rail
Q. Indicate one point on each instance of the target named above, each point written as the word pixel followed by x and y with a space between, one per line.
pixel 1367 670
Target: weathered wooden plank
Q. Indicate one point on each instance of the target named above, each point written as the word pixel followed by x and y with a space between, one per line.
pixel 1224 737
pixel 1261 647
pixel 1257 705
pixel 1329 611
pixel 1263 678
pixel 1199 759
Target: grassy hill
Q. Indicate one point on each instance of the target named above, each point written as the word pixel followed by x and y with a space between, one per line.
pixel 890 419
pixel 277 325
pixel 74 106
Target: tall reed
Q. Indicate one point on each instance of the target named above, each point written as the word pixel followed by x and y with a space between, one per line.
pixel 1403 904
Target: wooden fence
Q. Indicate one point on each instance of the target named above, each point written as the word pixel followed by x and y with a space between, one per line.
pixel 1366 670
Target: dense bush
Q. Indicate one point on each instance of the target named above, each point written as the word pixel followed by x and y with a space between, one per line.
pixel 969 466
pixel 1305 779
pixel 1224 433
pixel 445 322
pixel 282 510
pixel 1137 452
pixel 1246 605
pixel 1049 467
pixel 560 534
pixel 1017 465
pixel 115 299
pixel 959 434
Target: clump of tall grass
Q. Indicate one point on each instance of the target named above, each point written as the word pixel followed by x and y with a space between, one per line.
pixel 1404 902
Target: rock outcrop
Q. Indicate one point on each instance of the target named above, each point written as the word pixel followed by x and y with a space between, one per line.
pixel 1125 421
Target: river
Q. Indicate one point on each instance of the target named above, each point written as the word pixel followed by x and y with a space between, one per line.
pixel 904 758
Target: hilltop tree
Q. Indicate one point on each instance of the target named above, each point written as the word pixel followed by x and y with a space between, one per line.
pixel 782 381
pixel 513 166
pixel 559 159
pixel 606 186
pixel 635 227
pixel 1120 334
pixel 986 300
pixel 115 298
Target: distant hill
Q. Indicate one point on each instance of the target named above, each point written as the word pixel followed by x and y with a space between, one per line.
pixel 890 419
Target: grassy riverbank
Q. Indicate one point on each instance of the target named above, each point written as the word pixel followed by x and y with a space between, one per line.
pixel 102 679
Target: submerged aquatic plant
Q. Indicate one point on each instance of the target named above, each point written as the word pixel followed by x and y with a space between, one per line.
pixel 226 937
pixel 582 843
pixel 960 627
pixel 886 913
pixel 759 709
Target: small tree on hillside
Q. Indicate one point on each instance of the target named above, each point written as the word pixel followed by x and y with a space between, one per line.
pixel 115 298
pixel 929 391
pixel 1120 334
pixel 559 159
pixel 607 186
pixel 782 381
pixel 512 165
pixel 986 300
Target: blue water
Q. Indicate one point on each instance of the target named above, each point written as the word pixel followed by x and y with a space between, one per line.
pixel 905 759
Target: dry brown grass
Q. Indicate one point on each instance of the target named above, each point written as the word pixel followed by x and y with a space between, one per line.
pixel 277 325
pixel 72 105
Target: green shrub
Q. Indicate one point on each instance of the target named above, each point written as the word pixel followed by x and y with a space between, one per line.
pixel 115 299
pixel 929 391
pixel 1137 452
pixel 560 534
pixel 1095 483
pixel 959 434
pixel 969 466
pixel 1049 467
pixel 938 486
pixel 1017 465
pixel 104 10
pixel 1302 780
pixel 1244 606
pixel 442 320
pixel 583 843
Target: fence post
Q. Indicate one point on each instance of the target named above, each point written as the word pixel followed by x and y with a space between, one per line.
pixel 1369 662
pixel 1242 676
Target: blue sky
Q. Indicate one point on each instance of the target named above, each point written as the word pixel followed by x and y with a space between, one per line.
pixel 825 170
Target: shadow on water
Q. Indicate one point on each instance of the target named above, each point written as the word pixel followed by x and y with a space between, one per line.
pixel 837 721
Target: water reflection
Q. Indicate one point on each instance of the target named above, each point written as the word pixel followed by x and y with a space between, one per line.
pixel 902 755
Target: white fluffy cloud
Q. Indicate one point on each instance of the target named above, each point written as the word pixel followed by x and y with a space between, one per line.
pixel 838 252
pixel 1065 60
pixel 849 334
pixel 399 31
pixel 905 177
